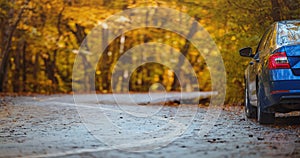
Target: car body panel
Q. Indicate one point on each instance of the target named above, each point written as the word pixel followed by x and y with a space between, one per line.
pixel 282 75
pixel 276 88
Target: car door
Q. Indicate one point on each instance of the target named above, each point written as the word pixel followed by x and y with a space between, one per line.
pixel 254 66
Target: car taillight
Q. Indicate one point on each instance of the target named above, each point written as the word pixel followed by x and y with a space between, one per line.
pixel 279 60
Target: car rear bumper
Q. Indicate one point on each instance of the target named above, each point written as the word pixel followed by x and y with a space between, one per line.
pixel 284 102
pixel 289 103
pixel 283 96
pixel 282 91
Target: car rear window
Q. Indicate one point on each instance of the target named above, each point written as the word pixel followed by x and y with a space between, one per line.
pixel 288 33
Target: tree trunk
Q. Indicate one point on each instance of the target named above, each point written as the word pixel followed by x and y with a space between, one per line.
pixel 50 65
pixel 276 11
pixel 24 66
pixel 17 62
pixel 36 70
pixel 184 50
pixel 9 32
pixel 105 64
pixel 80 35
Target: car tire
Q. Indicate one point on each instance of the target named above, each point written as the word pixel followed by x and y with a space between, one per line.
pixel 264 117
pixel 250 110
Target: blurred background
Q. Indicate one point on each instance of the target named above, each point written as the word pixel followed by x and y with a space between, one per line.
pixel 39 40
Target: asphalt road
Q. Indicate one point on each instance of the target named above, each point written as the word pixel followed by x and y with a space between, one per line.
pixel 140 125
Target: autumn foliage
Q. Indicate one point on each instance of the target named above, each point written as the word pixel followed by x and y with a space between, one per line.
pixel 41 38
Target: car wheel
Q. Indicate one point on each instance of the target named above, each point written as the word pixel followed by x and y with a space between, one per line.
pixel 264 117
pixel 250 110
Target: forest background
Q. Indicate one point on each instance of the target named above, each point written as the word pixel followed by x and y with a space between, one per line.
pixel 39 41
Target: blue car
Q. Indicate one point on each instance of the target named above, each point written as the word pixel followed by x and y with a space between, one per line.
pixel 272 78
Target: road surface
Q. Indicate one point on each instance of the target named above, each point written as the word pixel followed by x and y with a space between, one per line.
pixel 138 126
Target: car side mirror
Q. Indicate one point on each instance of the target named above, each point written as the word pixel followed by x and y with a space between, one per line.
pixel 246 52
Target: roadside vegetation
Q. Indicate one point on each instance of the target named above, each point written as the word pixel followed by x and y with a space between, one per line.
pixel 39 40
